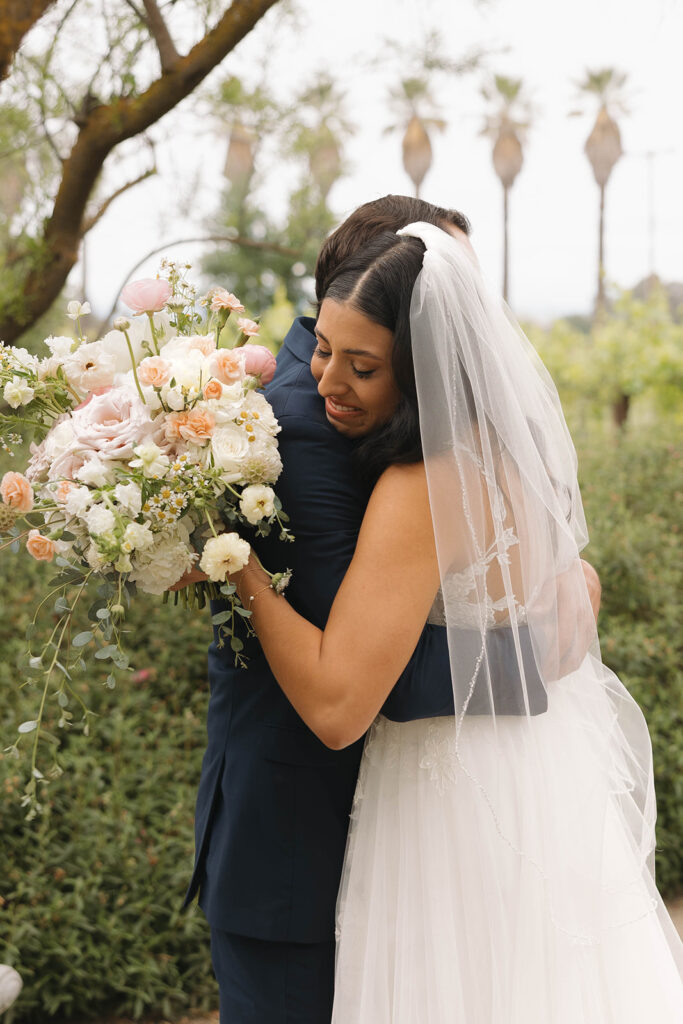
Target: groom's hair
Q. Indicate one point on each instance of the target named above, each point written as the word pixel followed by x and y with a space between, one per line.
pixel 390 213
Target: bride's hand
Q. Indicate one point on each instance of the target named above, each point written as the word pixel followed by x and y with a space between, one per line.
pixel 192 576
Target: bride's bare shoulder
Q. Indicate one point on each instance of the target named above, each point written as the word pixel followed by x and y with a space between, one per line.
pixel 403 487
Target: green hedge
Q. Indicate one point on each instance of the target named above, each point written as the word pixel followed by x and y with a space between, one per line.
pixel 90 893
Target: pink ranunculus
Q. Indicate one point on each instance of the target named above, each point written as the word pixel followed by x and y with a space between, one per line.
pixel 17 492
pixel 42 548
pixel 148 295
pixel 228 365
pixel 111 425
pixel 259 362
pixel 154 371
pixel 213 389
pixel 248 327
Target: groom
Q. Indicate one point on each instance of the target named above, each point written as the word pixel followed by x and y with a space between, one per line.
pixel 274 803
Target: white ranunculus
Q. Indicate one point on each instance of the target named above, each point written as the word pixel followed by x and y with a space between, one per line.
pixel 164 562
pixel 94 472
pixel 137 537
pixel 99 519
pixel 229 446
pixel 223 555
pixel 151 460
pixel 257 503
pixel 74 309
pixel 78 500
pixel 91 366
pixel 17 392
pixel 129 496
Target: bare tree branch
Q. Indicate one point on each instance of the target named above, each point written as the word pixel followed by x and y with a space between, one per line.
pixel 16 18
pixel 168 54
pixel 90 222
pixel 245 243
pixel 104 127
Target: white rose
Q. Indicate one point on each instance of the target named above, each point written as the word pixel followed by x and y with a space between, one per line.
pixel 110 425
pixel 223 555
pixel 99 519
pixel 93 472
pixel 137 537
pixel 163 563
pixel 229 446
pixel 54 458
pixel 17 392
pixel 129 496
pixel 174 398
pixel 78 500
pixel 151 460
pixel 256 503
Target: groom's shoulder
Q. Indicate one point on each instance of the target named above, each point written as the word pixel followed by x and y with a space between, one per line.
pixel 293 392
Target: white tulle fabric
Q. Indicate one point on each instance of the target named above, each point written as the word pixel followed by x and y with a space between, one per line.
pixel 500 867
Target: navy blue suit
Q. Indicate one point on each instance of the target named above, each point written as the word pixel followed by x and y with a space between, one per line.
pixel 273 805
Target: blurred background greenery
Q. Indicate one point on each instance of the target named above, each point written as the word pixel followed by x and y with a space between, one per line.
pixel 90 892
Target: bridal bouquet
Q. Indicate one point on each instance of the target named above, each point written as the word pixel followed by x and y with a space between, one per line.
pixel 146 443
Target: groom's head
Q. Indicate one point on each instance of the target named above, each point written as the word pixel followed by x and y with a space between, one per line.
pixel 374 218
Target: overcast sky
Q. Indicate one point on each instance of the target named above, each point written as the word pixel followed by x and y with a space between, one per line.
pixel 554 202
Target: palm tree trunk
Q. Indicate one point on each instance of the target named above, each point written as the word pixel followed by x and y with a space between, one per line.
pixel 600 298
pixel 505 243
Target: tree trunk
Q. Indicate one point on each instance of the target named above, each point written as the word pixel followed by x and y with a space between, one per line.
pixel 600 297
pixel 620 409
pixel 505 243
pixel 16 18
pixel 104 128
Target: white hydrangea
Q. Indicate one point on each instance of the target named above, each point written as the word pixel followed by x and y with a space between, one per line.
pixel 223 555
pixel 257 503
pixel 129 497
pixel 99 519
pixel 17 392
pixel 78 500
pixel 162 564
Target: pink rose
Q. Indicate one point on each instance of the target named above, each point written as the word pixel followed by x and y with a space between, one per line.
pixel 248 327
pixel 148 295
pixel 259 362
pixel 16 491
pixel 110 426
pixel 42 548
pixel 204 343
pixel 213 389
pixel 228 365
pixel 222 299
pixel 199 426
pixel 154 371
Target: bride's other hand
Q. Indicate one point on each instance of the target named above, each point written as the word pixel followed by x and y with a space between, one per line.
pixel 190 577
pixel 594 586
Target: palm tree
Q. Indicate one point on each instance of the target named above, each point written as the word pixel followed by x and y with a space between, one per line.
pixel 502 125
pixel 603 148
pixel 320 133
pixel 417 113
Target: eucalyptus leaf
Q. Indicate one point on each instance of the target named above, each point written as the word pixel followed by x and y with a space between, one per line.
pixel 106 652
pixel 221 617
pixel 236 644
pixel 27 727
pixel 81 639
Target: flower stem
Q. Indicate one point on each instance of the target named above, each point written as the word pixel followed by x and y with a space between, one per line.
pixel 150 317
pixel 135 372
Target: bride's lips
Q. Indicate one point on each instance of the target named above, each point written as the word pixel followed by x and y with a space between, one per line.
pixel 339 411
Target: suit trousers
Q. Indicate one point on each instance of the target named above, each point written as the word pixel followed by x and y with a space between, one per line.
pixel 263 982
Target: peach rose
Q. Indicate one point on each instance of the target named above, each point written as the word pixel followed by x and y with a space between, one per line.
pixel 42 548
pixel 259 362
pixel 148 295
pixel 198 426
pixel 228 365
pixel 154 371
pixel 204 343
pixel 16 491
pixel 248 327
pixel 63 490
pixel 174 421
pixel 213 389
pixel 222 299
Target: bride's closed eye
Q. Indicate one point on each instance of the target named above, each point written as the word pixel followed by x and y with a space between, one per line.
pixel 322 354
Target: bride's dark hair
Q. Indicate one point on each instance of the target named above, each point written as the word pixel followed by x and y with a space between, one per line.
pixel 378 282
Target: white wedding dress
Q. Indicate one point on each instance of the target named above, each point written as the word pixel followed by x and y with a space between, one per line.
pixel 441 917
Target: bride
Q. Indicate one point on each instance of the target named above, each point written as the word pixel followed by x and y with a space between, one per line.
pixel 500 862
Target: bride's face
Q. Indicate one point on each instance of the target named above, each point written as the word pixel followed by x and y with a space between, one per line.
pixel 352 365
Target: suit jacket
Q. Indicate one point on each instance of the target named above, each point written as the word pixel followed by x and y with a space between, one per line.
pixel 273 804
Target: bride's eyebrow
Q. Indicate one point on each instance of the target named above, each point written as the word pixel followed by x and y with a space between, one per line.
pixel 348 351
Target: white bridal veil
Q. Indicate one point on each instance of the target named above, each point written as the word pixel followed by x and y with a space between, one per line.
pixel 579 813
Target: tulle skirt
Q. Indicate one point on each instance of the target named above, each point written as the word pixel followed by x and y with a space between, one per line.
pixel 514 889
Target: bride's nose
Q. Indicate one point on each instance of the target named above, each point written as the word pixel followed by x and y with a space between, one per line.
pixel 331 382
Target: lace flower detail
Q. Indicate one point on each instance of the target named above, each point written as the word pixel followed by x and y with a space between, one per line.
pixel 440 758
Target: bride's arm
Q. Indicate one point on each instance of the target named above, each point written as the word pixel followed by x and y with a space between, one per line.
pixel 338 679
